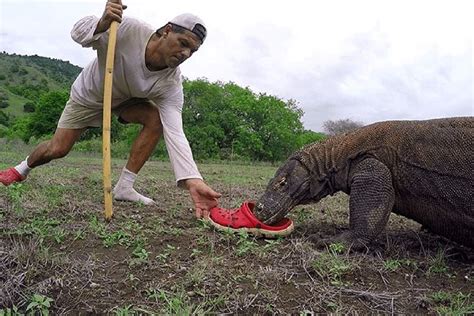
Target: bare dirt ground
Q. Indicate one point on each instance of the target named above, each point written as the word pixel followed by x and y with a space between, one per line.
pixel 58 254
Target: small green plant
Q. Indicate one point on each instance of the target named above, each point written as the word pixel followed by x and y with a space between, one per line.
pixel 204 224
pixel 131 310
pixel 96 226
pixel 393 265
pixel 337 248
pixel 39 304
pixel 124 311
pixel 271 244
pixel 331 266
pixel 437 264
pixel 166 253
pixel 195 277
pixel 79 234
pixel 118 237
pixel 452 303
pixel 133 226
pixel 59 234
pixel 109 239
pixel 162 256
pixel 179 303
pixel 175 304
pixel 139 253
pixel 41 227
pixel 157 225
pixel 245 244
pixel 10 311
pixel 15 192
pixel 270 308
pixel 132 277
pixel 333 307
pixel 54 195
pixel 302 215
pixel 195 252
pixel 152 293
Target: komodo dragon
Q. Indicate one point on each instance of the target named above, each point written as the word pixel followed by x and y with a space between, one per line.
pixel 422 170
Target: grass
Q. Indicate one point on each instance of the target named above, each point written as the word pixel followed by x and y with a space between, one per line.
pixel 150 260
pixel 39 304
pixel 332 266
pixel 394 264
pixel 449 303
pixel 437 264
pixel 16 104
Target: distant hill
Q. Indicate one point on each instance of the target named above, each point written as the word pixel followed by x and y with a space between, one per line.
pixel 24 78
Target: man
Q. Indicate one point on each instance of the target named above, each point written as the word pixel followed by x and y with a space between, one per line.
pixel 147 89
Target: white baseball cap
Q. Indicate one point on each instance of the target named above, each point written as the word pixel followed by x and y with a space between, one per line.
pixel 192 23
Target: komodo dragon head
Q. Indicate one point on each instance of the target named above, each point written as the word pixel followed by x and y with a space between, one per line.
pixel 294 183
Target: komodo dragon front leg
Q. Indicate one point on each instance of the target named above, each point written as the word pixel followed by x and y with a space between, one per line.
pixel 371 201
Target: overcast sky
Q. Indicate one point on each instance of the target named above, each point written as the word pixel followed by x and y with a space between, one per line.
pixel 364 60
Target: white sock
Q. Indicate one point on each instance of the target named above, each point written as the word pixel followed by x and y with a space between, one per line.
pixel 124 190
pixel 23 168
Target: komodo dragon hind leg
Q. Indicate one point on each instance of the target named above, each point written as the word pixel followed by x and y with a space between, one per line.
pixel 371 201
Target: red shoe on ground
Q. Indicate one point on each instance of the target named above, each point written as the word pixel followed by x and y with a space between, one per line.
pixel 243 220
pixel 10 176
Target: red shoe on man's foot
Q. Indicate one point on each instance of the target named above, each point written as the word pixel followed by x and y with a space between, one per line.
pixel 10 176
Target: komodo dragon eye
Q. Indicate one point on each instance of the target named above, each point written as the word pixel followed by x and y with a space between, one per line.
pixel 282 182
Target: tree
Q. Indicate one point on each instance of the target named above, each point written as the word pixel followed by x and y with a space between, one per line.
pixel 4 119
pixel 308 137
pixel 48 110
pixel 341 126
pixel 224 119
pixel 20 129
pixel 29 107
pixel 29 91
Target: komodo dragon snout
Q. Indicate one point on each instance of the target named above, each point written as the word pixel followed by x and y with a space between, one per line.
pixel 292 185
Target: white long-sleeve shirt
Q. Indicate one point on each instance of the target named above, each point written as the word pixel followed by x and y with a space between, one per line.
pixel 132 79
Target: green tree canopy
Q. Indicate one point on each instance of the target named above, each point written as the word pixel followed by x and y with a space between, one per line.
pixel 43 120
pixel 4 118
pixel 48 110
pixel 224 119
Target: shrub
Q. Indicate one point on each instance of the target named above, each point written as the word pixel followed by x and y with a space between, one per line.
pixel 4 119
pixel 29 107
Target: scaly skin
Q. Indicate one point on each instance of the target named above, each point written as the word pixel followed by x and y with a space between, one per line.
pixel 422 170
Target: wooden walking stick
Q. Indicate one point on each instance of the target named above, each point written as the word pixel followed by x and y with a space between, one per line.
pixel 107 116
